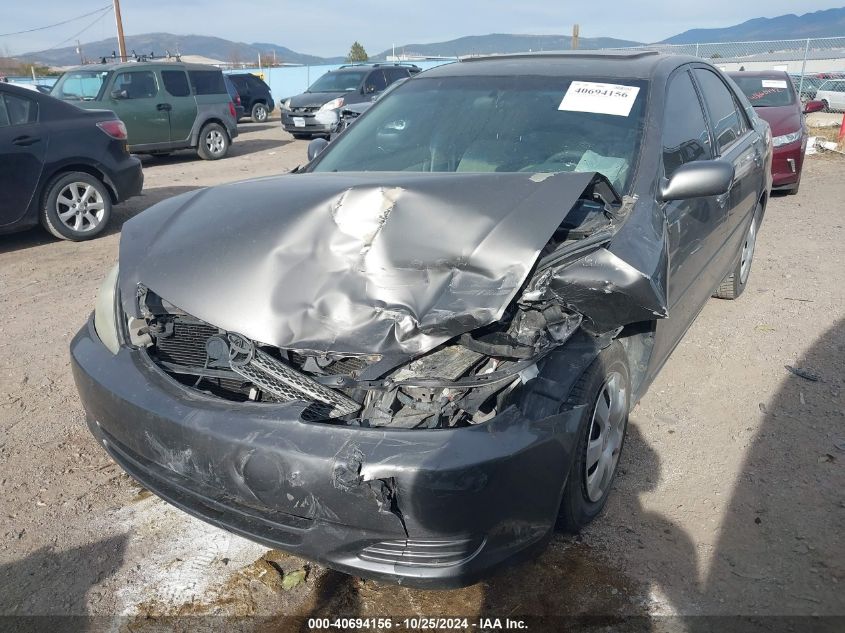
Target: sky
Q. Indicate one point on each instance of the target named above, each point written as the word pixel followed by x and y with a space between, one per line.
pixel 328 27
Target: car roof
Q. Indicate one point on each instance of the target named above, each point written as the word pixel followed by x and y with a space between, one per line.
pixel 763 74
pixel 372 66
pixel 141 64
pixel 632 64
pixel 16 89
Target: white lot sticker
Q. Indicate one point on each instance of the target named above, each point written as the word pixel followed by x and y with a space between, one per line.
pixel 588 96
pixel 774 83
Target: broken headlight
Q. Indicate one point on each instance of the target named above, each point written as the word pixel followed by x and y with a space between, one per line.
pixel 105 312
pixel 786 139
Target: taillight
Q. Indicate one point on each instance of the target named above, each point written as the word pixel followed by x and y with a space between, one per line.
pixel 113 128
pixel 232 110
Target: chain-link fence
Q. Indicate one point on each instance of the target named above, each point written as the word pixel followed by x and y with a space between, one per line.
pixel 814 64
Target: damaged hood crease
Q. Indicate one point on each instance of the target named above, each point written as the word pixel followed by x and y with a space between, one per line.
pixel 363 263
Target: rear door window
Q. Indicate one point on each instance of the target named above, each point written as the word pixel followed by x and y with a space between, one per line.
pixel 685 134
pixel 137 84
pixel 725 116
pixel 375 82
pixel 256 84
pixel 207 82
pixel 395 74
pixel 19 110
pixel 176 83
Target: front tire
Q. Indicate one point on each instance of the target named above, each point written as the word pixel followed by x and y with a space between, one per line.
pixel 259 113
pixel 603 394
pixel 76 206
pixel 213 142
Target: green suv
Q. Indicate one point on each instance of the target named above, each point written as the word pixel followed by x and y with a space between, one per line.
pixel 165 105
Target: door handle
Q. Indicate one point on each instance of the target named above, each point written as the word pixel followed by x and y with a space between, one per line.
pixel 25 140
pixel 164 106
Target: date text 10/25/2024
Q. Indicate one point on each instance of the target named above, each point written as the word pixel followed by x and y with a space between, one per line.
pixel 417 624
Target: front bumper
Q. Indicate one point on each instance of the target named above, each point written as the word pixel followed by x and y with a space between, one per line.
pixel 787 161
pixel 425 508
pixel 313 122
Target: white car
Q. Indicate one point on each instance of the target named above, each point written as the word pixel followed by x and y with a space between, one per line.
pixel 832 94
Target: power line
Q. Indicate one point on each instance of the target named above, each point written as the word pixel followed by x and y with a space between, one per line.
pixel 105 12
pixel 50 26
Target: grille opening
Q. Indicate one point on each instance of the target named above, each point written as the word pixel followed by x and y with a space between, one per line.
pixel 180 349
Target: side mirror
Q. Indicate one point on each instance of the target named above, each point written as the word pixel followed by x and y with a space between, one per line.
pixel 813 106
pixel 369 89
pixel 698 179
pixel 119 94
pixel 315 147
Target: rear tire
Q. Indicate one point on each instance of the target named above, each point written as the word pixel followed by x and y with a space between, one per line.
pixel 213 142
pixel 826 105
pixel 259 113
pixel 603 394
pixel 76 206
pixel 734 284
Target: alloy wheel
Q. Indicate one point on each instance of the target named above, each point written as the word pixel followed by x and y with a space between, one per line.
pixel 748 251
pixel 607 430
pixel 80 207
pixel 215 142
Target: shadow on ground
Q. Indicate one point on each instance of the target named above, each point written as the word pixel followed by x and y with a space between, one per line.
pixel 781 549
pixel 53 584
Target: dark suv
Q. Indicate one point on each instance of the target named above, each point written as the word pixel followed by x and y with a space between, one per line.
pixel 256 97
pixel 315 111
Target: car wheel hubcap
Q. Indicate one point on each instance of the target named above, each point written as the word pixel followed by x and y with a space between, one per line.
pixel 604 442
pixel 215 142
pixel 748 251
pixel 260 113
pixel 80 207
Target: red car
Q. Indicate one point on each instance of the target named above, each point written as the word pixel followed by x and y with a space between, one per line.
pixel 773 96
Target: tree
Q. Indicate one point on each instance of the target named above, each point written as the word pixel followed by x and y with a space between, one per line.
pixel 235 57
pixel 357 53
pixel 268 60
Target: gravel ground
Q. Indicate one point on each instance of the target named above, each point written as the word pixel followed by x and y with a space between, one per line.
pixel 729 501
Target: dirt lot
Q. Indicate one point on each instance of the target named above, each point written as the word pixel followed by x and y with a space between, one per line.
pixel 730 499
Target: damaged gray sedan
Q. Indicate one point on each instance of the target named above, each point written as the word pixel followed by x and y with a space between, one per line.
pixel 414 357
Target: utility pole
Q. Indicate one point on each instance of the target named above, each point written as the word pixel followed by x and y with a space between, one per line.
pixel 79 50
pixel 574 42
pixel 121 42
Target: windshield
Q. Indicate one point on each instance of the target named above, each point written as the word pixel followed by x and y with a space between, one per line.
pixel 765 92
pixel 496 124
pixel 80 85
pixel 338 82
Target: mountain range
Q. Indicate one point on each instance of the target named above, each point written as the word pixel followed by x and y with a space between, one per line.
pixel 827 23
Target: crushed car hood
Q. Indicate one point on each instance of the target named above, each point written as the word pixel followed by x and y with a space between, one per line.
pixel 356 263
